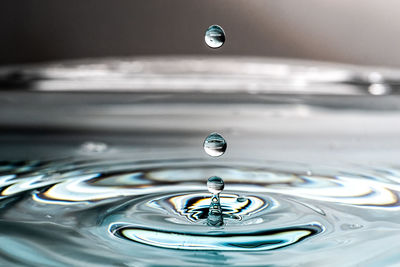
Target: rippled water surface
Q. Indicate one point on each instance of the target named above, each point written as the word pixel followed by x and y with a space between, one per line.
pixel 309 160
pixel 124 212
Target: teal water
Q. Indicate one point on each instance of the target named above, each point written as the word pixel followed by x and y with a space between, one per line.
pixel 120 179
pixel 123 212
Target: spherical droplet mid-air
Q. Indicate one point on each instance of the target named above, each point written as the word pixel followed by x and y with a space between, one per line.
pixel 215 185
pixel 215 36
pixel 215 145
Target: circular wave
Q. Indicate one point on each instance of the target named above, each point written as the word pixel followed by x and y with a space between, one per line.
pixel 132 210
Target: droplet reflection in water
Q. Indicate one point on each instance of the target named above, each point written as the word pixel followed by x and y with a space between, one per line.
pixel 215 185
pixel 215 145
pixel 379 89
pixel 215 36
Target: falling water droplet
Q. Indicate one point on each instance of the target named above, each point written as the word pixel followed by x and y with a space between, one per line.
pixel 215 36
pixel 215 145
pixel 215 185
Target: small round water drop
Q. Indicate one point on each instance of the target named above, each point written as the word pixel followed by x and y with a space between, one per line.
pixel 214 145
pixel 215 36
pixel 241 199
pixel 215 185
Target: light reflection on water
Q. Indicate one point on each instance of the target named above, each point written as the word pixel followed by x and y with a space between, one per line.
pixel 311 177
pixel 126 211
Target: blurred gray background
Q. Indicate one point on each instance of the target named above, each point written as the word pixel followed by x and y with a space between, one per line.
pixel 355 31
